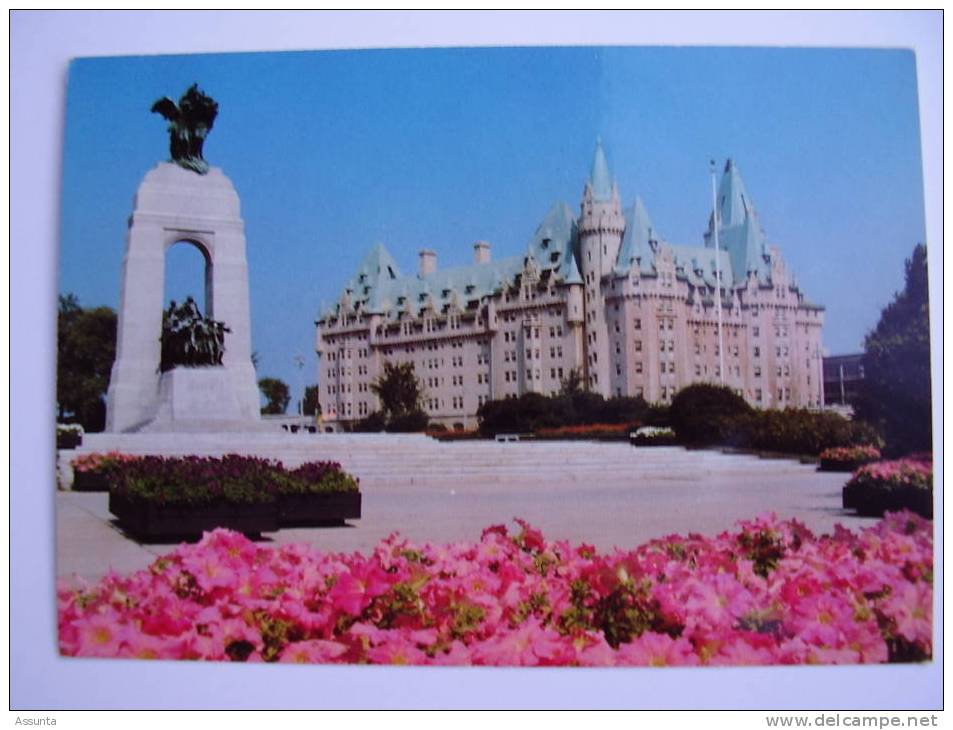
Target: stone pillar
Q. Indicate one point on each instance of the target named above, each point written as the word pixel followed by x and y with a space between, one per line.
pixel 173 204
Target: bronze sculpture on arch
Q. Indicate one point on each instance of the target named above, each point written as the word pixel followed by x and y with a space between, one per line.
pixel 190 121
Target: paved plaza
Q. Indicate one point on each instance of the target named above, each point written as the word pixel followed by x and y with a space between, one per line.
pixel 605 494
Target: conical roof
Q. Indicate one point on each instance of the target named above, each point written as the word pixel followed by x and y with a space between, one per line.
pixel 599 178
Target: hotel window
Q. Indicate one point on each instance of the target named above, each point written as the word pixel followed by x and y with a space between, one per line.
pixel 757 371
pixel 638 324
pixel 757 352
pixel 638 366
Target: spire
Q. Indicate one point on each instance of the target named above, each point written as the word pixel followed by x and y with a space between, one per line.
pixel 638 233
pixel 599 178
pixel 738 227
pixel 734 204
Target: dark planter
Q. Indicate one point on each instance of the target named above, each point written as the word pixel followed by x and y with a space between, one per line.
pixel 873 502
pixel 90 481
pixel 310 510
pixel 151 522
pixel 833 465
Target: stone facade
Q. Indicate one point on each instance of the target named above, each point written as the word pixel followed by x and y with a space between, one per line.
pixel 601 293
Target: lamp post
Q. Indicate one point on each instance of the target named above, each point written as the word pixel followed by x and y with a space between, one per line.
pixel 298 361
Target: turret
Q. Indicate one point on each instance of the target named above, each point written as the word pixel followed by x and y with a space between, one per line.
pixel 600 229
pixel 601 223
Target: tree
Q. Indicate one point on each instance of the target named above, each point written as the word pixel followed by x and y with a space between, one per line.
pixel 401 397
pixel 277 395
pixel 398 390
pixel 311 405
pixel 86 349
pixel 895 394
pixel 572 384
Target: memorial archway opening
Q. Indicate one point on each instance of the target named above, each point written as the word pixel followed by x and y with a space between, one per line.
pixel 188 273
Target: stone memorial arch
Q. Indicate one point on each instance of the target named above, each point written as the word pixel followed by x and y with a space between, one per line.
pixel 187 201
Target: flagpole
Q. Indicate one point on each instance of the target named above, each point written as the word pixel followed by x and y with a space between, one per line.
pixel 714 225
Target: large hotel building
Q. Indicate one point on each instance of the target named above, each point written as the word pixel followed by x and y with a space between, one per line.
pixel 602 293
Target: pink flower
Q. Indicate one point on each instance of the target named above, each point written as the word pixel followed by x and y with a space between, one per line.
pixel 657 650
pixel 314 651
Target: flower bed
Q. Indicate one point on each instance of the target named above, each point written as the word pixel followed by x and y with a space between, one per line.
pixel 769 592
pixel 848 458
pixel 91 472
pixel 653 436
pixel 161 498
pixel 887 486
pixel 318 493
pixel 592 431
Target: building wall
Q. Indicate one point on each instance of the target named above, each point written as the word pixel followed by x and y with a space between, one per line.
pixel 654 337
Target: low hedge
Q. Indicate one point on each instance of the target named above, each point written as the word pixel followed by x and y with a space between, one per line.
pixel 890 486
pixel 231 479
pixel 713 415
pixel 798 431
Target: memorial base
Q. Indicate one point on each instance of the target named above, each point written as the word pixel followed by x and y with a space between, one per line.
pixel 199 399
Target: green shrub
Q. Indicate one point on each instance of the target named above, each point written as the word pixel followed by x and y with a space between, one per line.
pixel 411 422
pixel 704 414
pixel 373 423
pixel 534 412
pixel 798 431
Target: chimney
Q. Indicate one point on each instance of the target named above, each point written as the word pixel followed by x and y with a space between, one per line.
pixel 481 252
pixel 428 262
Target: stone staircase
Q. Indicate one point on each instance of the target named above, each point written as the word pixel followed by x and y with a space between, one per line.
pixel 414 459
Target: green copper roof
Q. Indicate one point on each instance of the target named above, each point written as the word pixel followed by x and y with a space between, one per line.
pixel 739 232
pixel 599 176
pixel 635 248
pixel 380 288
pixel 698 265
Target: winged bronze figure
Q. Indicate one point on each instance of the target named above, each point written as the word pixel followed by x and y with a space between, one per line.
pixel 190 121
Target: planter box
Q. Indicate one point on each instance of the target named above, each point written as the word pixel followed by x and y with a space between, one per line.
pixel 832 465
pixel 90 481
pixel 874 502
pixel 309 510
pixel 160 523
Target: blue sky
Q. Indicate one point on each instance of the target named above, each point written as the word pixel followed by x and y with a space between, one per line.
pixel 334 151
